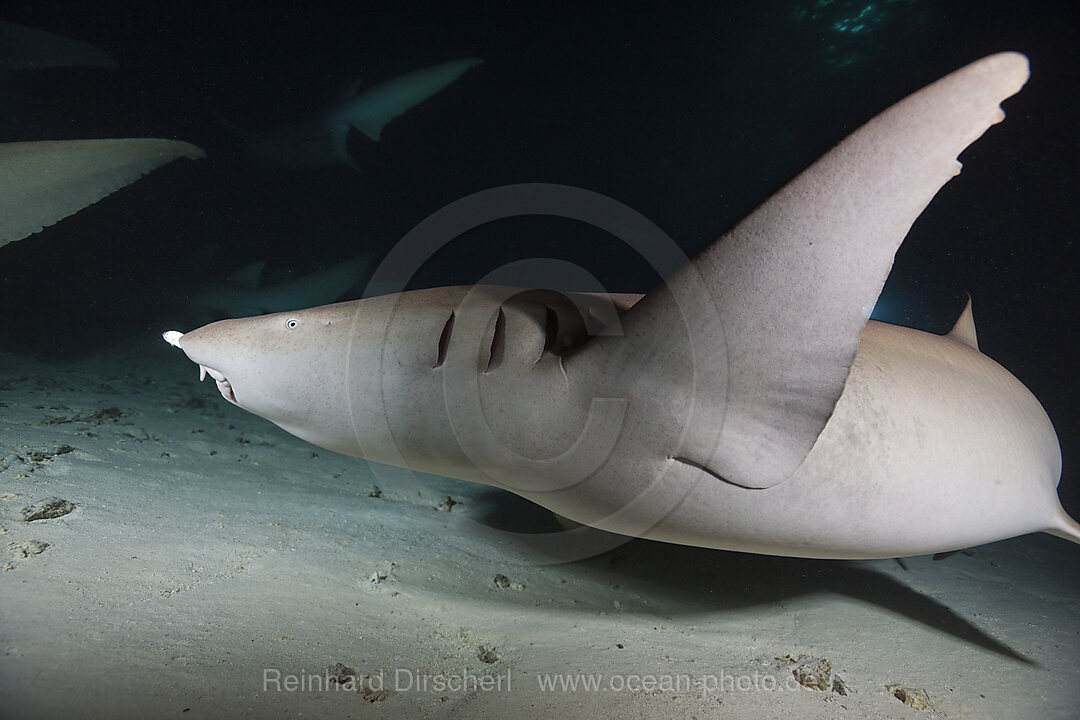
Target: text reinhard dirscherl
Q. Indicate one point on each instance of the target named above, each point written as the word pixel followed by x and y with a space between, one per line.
pixel 402 680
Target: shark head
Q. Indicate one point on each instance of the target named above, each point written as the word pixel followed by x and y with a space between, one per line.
pixel 286 367
pixel 357 377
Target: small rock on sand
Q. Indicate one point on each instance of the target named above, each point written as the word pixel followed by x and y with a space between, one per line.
pixel 48 509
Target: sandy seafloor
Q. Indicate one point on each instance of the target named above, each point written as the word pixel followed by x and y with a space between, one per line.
pixel 208 550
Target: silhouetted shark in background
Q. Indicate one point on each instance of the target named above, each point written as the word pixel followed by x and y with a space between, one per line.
pixel 321 139
pixel 245 293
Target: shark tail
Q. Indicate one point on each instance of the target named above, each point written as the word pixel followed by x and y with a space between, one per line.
pixel 1064 526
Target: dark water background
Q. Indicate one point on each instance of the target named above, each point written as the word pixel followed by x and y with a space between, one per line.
pixel 689 114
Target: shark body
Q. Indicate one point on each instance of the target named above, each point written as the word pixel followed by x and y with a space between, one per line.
pixel 321 139
pixel 708 413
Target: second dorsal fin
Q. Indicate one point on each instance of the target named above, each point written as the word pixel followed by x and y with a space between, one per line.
pixel 964 328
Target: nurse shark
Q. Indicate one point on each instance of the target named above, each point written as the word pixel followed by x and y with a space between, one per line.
pixel 321 139
pixel 747 403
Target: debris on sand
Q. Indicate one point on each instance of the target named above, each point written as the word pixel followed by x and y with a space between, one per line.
pixel 47 509
pixel 815 673
pixel 486 654
pixel 503 583
pixel 918 699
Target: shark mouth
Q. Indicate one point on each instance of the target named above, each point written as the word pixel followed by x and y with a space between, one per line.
pixel 223 384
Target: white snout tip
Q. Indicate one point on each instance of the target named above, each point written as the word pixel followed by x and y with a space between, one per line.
pixel 172 337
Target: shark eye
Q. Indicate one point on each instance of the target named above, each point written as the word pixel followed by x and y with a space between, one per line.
pixel 292 323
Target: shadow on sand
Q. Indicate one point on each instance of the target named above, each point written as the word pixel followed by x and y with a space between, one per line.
pixel 683 579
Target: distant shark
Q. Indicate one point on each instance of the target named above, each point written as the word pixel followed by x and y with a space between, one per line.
pixel 321 139
pixel 244 293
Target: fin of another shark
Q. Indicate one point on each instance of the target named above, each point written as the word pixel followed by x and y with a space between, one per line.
pixel 42 182
pixel 795 282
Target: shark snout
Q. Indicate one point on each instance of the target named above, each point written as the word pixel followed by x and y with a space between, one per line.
pixel 175 338
pixel 172 337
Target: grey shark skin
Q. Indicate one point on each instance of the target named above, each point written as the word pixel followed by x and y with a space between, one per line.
pixel 321 139
pixel 709 413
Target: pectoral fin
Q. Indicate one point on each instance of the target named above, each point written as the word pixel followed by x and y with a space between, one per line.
pixel 794 283
pixel 44 182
